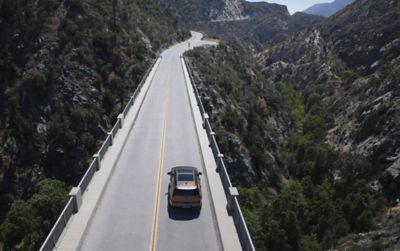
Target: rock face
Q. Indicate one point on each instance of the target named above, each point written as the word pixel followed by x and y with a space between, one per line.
pixel 328 9
pixel 194 11
pixel 354 58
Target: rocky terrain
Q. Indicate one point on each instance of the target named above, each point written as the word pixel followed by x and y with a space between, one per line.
pixel 354 59
pixel 328 9
pixel 309 126
pixel 251 25
pixel 67 69
pixel 192 11
pixel 263 28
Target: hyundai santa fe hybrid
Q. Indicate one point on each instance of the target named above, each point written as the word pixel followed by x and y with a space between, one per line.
pixel 184 189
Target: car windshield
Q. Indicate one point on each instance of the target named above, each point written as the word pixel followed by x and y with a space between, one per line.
pixel 192 192
pixel 185 177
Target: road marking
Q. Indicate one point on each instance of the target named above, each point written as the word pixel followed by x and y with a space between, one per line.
pixel 156 211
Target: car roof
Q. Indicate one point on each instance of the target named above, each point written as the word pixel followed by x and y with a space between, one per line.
pixel 185 184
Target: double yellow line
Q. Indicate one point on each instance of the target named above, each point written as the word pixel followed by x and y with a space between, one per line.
pixel 156 211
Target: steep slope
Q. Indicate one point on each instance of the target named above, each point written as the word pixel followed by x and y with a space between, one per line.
pixel 296 192
pixel 354 58
pixel 262 29
pixel 251 25
pixel 194 11
pixel 67 68
pixel 328 9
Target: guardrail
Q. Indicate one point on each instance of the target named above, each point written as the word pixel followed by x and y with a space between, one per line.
pixel 230 191
pixel 75 199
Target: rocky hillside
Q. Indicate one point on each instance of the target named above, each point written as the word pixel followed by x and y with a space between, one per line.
pixel 328 9
pixel 262 29
pixel 296 192
pixel 251 25
pixel 311 134
pixel 67 69
pixel 194 11
pixel 354 58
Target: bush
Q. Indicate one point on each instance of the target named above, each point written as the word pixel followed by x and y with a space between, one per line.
pixel 28 223
pixel 35 82
pixel 108 102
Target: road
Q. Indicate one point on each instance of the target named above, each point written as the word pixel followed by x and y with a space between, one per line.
pixel 133 212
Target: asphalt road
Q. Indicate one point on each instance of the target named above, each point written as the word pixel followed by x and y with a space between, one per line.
pixel 133 212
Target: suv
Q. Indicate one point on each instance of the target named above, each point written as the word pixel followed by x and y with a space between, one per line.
pixel 184 189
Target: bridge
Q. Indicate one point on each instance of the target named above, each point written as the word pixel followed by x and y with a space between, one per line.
pixel 121 202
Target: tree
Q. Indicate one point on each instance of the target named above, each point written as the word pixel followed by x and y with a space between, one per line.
pixel 28 223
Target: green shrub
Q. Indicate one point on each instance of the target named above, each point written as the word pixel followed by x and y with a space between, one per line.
pixel 35 82
pixel 349 76
pixel 28 222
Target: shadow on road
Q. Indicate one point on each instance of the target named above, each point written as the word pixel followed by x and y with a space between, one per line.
pixel 183 214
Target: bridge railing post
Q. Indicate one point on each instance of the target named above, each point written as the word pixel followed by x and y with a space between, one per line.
pixel 96 156
pixel 233 193
pixel 205 117
pixel 76 194
pixel 110 134
pixel 220 157
pixel 121 119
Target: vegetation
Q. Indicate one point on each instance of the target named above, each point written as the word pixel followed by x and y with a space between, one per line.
pixel 67 70
pixel 28 222
pixel 321 194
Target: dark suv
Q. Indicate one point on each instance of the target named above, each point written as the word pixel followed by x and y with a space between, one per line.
pixel 184 188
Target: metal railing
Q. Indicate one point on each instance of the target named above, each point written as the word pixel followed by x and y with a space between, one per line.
pixel 58 227
pixel 233 202
pixel 83 184
pixel 71 206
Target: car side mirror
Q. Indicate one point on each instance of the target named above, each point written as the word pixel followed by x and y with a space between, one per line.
pixel 169 173
pixel 200 173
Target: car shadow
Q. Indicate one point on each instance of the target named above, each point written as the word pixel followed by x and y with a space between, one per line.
pixel 183 214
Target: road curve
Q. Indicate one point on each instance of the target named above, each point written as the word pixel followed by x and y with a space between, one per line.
pixel 133 212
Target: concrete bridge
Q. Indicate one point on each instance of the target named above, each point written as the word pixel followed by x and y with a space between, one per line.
pixel 121 203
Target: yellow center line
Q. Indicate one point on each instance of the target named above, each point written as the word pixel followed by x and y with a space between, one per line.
pixel 153 238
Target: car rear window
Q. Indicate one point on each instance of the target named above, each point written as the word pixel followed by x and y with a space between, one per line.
pixel 185 177
pixel 192 192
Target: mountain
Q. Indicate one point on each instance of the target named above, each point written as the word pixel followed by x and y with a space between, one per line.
pixel 261 29
pixel 194 11
pixel 354 60
pixel 309 128
pixel 328 9
pixel 251 25
pixel 67 68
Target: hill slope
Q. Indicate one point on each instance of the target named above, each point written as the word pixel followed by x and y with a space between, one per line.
pixel 354 58
pixel 66 70
pixel 328 9
pixel 251 25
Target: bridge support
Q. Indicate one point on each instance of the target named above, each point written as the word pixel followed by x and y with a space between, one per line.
pixel 76 194
pixel 233 193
